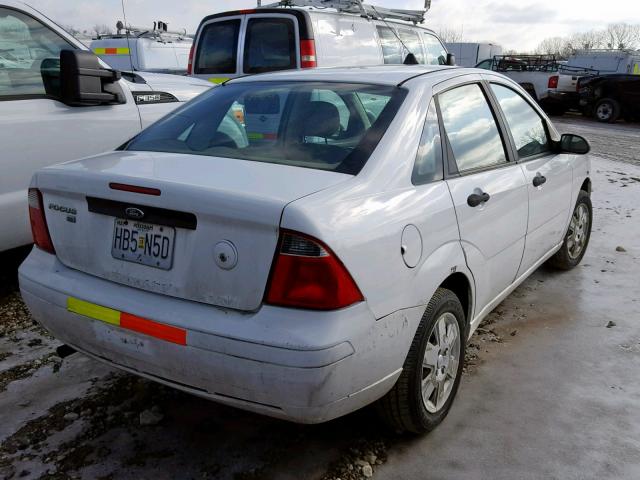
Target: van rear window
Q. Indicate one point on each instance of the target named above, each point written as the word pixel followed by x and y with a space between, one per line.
pixel 270 45
pixel 218 47
pixel 320 125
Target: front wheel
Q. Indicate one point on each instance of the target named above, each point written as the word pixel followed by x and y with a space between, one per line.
pixel 607 110
pixel 576 240
pixel 424 393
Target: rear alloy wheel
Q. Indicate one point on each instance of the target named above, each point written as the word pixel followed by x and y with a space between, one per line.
pixel 424 393
pixel 577 238
pixel 607 110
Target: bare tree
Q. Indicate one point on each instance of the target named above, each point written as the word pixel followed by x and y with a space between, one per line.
pixel 558 46
pixel 450 35
pixel 72 30
pixel 622 35
pixel 587 40
pixel 102 30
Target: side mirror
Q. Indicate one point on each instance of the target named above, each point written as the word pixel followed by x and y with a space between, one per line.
pixel 576 144
pixel 83 80
pixel 451 59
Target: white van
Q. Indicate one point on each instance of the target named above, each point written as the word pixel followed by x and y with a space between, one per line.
pixel 59 102
pixel 264 39
pixel 144 49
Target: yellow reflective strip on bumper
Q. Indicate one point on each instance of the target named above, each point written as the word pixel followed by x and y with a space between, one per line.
pixel 94 311
pixel 111 51
pixel 218 79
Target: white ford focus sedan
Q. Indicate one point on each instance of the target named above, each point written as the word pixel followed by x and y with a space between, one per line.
pixel 305 243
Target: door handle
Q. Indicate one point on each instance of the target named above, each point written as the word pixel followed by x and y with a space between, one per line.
pixel 475 199
pixel 539 180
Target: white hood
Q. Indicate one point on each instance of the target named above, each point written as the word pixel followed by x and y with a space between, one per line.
pixel 182 87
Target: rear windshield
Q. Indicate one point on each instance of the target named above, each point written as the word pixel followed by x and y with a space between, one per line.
pixel 270 44
pixel 218 47
pixel 326 126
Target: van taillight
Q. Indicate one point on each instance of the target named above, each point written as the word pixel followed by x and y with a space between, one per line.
pixel 553 81
pixel 308 54
pixel 190 62
pixel 39 228
pixel 306 274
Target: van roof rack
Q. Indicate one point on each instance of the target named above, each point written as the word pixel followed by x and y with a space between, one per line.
pixel 159 31
pixel 357 7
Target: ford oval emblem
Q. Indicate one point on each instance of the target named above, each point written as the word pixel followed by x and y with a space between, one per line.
pixel 134 213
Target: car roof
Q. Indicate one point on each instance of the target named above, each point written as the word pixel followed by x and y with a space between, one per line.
pixel 379 74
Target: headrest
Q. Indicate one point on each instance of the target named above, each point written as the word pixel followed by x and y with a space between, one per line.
pixel 323 120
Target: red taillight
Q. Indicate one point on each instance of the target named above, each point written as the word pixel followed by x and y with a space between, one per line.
pixel 190 62
pixel 553 82
pixel 308 54
pixel 306 274
pixel 39 228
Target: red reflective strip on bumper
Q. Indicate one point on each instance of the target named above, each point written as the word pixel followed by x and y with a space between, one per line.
pixel 111 51
pixel 153 329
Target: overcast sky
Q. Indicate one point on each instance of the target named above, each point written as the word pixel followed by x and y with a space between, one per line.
pixel 517 24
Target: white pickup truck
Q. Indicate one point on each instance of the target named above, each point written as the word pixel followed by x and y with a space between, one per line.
pixel 537 74
pixel 59 102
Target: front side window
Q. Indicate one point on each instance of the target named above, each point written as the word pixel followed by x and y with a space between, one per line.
pixel 29 55
pixel 303 124
pixel 435 52
pixel 471 128
pixel 270 45
pixel 428 166
pixel 391 48
pixel 218 48
pixel 527 127
pixel 412 43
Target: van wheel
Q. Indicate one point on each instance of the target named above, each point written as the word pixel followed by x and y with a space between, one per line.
pixel 607 110
pixel 424 393
pixel 576 240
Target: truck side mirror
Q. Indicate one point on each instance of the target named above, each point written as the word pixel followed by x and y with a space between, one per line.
pixel 575 144
pixel 410 59
pixel 451 59
pixel 83 80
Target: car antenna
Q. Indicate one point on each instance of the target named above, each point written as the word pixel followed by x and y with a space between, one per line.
pixel 410 59
pixel 126 32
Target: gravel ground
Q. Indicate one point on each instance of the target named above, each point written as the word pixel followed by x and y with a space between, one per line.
pixel 619 142
pixel 76 418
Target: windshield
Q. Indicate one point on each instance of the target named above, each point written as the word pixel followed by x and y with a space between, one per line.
pixel 326 126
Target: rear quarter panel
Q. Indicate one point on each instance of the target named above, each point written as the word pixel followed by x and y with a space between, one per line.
pixel 363 220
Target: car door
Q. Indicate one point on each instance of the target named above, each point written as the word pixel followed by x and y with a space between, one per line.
pixel 36 129
pixel 549 175
pixel 488 190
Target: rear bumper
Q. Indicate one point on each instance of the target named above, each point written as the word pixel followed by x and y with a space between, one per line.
pixel 303 366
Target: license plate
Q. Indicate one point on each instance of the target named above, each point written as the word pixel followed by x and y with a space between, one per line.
pixel 143 243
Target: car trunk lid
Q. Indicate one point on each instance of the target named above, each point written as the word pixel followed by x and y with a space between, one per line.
pixel 221 217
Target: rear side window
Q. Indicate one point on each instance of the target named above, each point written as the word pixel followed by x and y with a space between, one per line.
pixel 391 48
pixel 471 128
pixel 270 45
pixel 435 52
pixel 527 128
pixel 303 124
pixel 218 48
pixel 428 166
pixel 412 41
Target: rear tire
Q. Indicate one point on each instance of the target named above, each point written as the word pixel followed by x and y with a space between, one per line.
pixel 424 393
pixel 577 237
pixel 607 110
